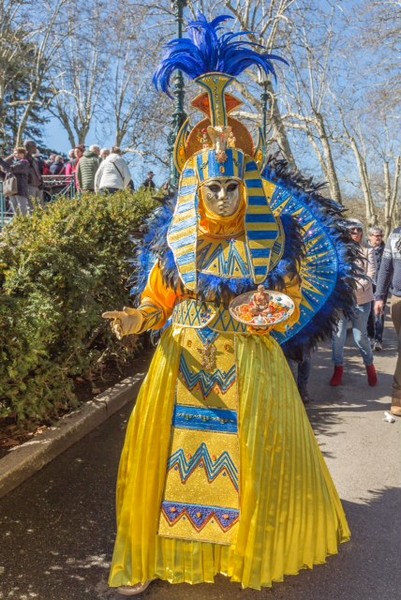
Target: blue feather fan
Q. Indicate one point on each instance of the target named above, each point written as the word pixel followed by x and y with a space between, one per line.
pixel 324 220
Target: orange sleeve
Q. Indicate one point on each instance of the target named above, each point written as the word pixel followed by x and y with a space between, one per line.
pixel 157 301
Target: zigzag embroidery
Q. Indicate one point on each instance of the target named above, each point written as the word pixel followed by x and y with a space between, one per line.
pixel 225 266
pixel 207 381
pixel 225 322
pixel 192 313
pixel 199 516
pixel 213 468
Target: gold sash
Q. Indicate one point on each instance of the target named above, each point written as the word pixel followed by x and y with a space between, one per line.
pixel 201 497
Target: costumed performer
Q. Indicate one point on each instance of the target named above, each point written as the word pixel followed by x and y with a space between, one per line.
pixel 220 470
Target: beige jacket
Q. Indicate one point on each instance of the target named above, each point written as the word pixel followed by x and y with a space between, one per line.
pixel 364 287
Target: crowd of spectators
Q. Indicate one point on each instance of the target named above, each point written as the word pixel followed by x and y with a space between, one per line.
pixel 27 176
pixel 22 176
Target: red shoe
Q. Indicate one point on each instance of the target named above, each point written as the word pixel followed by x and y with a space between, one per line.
pixel 372 375
pixel 337 377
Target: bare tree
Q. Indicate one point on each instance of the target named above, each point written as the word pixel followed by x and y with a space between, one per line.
pixel 49 40
pixel 130 99
pixel 266 21
pixel 78 88
pixel 356 144
pixel 369 109
pixel 45 35
pixel 392 200
pixel 311 51
pixel 333 109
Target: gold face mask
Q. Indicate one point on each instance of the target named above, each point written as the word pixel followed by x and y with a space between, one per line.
pixel 222 196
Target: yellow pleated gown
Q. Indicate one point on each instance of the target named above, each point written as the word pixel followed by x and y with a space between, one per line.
pixel 290 515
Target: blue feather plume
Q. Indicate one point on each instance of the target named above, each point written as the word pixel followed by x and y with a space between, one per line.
pixel 205 52
pixel 151 247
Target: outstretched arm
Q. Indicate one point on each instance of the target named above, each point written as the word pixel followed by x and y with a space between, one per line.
pixel 157 303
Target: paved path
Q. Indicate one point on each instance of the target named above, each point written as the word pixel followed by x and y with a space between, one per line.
pixel 57 528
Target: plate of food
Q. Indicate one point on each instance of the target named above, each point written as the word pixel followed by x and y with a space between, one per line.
pixel 262 308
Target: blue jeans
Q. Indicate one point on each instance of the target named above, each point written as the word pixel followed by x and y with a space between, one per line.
pixel 379 326
pixel 396 318
pixel 359 330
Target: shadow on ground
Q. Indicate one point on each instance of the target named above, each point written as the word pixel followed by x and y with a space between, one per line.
pixel 355 396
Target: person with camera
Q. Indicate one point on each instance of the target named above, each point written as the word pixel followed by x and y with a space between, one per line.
pixel 15 185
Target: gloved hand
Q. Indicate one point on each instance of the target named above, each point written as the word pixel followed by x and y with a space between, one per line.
pixel 259 330
pixel 124 322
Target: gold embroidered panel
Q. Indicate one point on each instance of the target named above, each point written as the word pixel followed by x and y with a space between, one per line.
pixel 201 497
pixel 214 386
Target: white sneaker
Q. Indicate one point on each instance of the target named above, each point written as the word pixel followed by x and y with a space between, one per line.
pixel 377 346
pixel 133 590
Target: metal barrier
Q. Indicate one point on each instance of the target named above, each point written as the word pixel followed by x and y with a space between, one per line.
pixel 58 186
pixel 54 187
pixel 6 214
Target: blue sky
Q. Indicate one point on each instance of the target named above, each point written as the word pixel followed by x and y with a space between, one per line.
pixel 358 74
pixel 54 136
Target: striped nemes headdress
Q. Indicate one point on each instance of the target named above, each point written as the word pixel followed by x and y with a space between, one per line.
pixel 219 146
pixel 261 228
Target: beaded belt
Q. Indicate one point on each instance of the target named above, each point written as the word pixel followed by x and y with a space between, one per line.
pixel 192 313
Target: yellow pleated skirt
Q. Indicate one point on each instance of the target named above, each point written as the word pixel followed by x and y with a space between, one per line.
pixel 291 517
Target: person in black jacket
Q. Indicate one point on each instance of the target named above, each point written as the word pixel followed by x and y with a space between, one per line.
pixel 390 277
pixel 376 323
pixel 149 184
pixel 57 167
pixel 35 173
pixel 18 165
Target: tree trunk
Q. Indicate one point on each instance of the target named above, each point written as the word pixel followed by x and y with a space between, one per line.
pixel 370 209
pixel 330 169
pixel 25 117
pixel 280 137
pixel 391 196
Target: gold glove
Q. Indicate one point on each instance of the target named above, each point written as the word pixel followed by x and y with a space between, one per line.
pixel 124 322
pixel 259 330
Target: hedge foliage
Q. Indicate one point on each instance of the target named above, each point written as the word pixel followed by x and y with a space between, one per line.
pixel 59 270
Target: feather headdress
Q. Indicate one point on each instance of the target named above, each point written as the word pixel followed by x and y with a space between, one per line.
pixel 214 60
pixel 207 52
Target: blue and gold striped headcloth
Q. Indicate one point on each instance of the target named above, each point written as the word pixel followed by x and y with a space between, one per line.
pixel 182 233
pixel 261 229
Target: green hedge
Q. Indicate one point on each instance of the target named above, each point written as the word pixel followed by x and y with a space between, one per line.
pixel 59 270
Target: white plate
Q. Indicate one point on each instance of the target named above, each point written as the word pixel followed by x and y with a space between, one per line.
pixel 279 308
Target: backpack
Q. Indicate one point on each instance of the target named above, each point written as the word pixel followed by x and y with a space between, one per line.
pixel 10 185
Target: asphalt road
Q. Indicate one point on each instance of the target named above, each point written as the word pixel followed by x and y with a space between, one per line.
pixel 57 528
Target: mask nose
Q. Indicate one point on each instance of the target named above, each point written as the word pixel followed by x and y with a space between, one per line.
pixel 222 194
